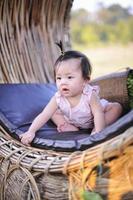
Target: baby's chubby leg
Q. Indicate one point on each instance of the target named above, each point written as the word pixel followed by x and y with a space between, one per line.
pixel 112 112
pixel 61 123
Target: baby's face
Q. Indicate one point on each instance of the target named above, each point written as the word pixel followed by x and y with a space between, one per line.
pixel 69 79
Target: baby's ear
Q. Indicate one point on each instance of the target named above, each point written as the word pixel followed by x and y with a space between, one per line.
pixel 88 79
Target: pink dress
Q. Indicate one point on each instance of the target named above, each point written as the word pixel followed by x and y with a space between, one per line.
pixel 80 115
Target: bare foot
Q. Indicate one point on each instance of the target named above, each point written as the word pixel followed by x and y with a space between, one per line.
pixel 66 127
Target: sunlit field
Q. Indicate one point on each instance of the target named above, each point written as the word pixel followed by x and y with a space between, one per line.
pixel 110 59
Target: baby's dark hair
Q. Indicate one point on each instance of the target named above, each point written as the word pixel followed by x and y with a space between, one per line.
pixel 84 61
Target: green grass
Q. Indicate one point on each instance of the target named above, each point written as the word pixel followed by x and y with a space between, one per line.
pixel 109 59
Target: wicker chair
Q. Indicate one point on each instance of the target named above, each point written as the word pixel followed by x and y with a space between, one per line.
pixel 28 31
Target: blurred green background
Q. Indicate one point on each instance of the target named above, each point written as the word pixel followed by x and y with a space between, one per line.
pixel 105 36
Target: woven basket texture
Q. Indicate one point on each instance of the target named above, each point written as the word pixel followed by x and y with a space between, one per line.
pixel 29 30
pixel 114 87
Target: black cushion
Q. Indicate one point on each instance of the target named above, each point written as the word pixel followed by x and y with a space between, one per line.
pixel 21 103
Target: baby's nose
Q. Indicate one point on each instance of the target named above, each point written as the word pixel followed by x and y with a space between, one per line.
pixel 63 81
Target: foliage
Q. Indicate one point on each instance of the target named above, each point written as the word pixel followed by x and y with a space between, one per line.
pixel 86 195
pixel 130 88
pixel 107 25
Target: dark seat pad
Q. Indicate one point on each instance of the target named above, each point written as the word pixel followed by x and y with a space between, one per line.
pixel 21 103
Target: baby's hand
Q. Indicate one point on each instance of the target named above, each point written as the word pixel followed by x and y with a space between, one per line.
pixel 27 137
pixel 66 127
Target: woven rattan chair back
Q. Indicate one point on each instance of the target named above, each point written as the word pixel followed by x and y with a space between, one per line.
pixel 28 32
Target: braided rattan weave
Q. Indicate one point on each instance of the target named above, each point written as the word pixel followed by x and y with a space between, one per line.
pixel 28 30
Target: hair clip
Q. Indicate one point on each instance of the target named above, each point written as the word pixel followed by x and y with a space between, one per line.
pixel 60 45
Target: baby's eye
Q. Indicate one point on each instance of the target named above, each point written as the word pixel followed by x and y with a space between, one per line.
pixel 70 77
pixel 58 78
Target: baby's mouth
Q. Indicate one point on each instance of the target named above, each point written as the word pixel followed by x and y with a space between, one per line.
pixel 65 89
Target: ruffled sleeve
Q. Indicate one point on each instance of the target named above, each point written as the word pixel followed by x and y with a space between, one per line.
pixel 88 90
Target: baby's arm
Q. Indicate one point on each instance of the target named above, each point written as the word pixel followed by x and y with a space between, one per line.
pixel 98 113
pixel 39 121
